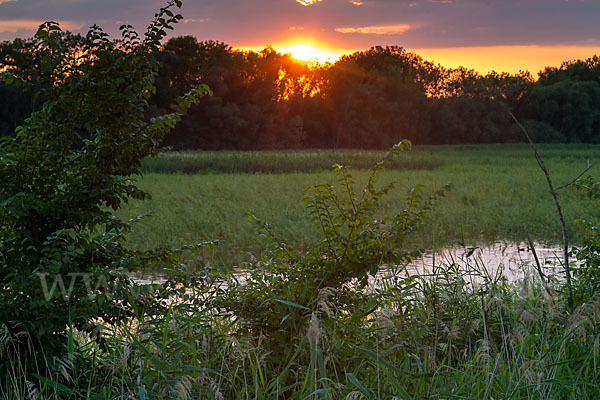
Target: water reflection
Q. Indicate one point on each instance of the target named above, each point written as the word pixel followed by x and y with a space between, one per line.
pixel 513 259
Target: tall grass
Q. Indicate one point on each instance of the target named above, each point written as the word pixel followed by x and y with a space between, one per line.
pixel 317 160
pixel 236 162
pixel 495 188
pixel 454 333
pixel 293 329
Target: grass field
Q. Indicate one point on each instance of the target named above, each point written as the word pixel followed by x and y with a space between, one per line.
pixel 495 188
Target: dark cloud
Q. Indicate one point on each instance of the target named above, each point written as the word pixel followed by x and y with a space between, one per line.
pixel 341 23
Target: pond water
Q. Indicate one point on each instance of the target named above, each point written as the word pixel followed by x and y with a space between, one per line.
pixel 515 260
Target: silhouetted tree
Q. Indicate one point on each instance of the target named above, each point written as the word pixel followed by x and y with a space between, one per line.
pixel 368 99
pixel 570 107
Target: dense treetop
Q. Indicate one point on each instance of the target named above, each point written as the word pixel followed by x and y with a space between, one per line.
pixel 369 99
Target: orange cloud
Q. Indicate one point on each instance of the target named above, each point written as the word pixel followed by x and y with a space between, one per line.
pixel 308 2
pixel 377 30
pixel 15 25
pixel 18 24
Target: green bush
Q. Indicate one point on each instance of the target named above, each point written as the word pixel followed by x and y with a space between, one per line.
pixel 287 288
pixel 65 172
pixel 587 273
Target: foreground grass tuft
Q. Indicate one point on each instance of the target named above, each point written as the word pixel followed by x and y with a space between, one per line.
pixel 455 333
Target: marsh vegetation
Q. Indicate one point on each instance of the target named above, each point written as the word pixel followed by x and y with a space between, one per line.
pixel 495 189
pixel 305 322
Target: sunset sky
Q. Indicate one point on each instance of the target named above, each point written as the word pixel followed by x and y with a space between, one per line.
pixel 505 35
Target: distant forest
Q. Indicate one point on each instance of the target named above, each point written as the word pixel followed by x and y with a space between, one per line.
pixel 369 99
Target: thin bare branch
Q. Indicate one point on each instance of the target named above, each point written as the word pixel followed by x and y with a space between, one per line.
pixel 576 178
pixel 554 194
pixel 537 260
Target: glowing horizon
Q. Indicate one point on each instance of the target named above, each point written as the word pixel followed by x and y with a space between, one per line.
pixel 511 59
pixel 482 59
pixel 306 50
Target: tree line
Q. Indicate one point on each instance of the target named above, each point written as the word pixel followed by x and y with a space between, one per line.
pixel 368 99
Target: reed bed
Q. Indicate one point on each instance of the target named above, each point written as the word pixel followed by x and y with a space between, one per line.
pixel 495 188
pixel 275 162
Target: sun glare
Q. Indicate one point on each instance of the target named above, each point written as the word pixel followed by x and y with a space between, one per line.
pixel 306 53
pixel 311 52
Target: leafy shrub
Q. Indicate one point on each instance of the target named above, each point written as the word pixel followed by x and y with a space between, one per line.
pixel 587 273
pixel 283 291
pixel 65 172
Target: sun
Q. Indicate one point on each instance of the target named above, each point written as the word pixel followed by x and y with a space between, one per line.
pixel 305 52
pixel 310 53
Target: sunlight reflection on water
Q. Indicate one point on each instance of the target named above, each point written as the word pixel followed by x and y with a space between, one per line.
pixel 514 259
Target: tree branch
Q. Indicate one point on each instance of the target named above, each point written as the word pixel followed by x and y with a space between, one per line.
pixel 553 192
pixel 537 261
pixel 577 178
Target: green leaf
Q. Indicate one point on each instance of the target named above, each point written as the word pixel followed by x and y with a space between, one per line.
pixel 292 304
pixel 352 379
pixel 56 385
pixel 41 33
